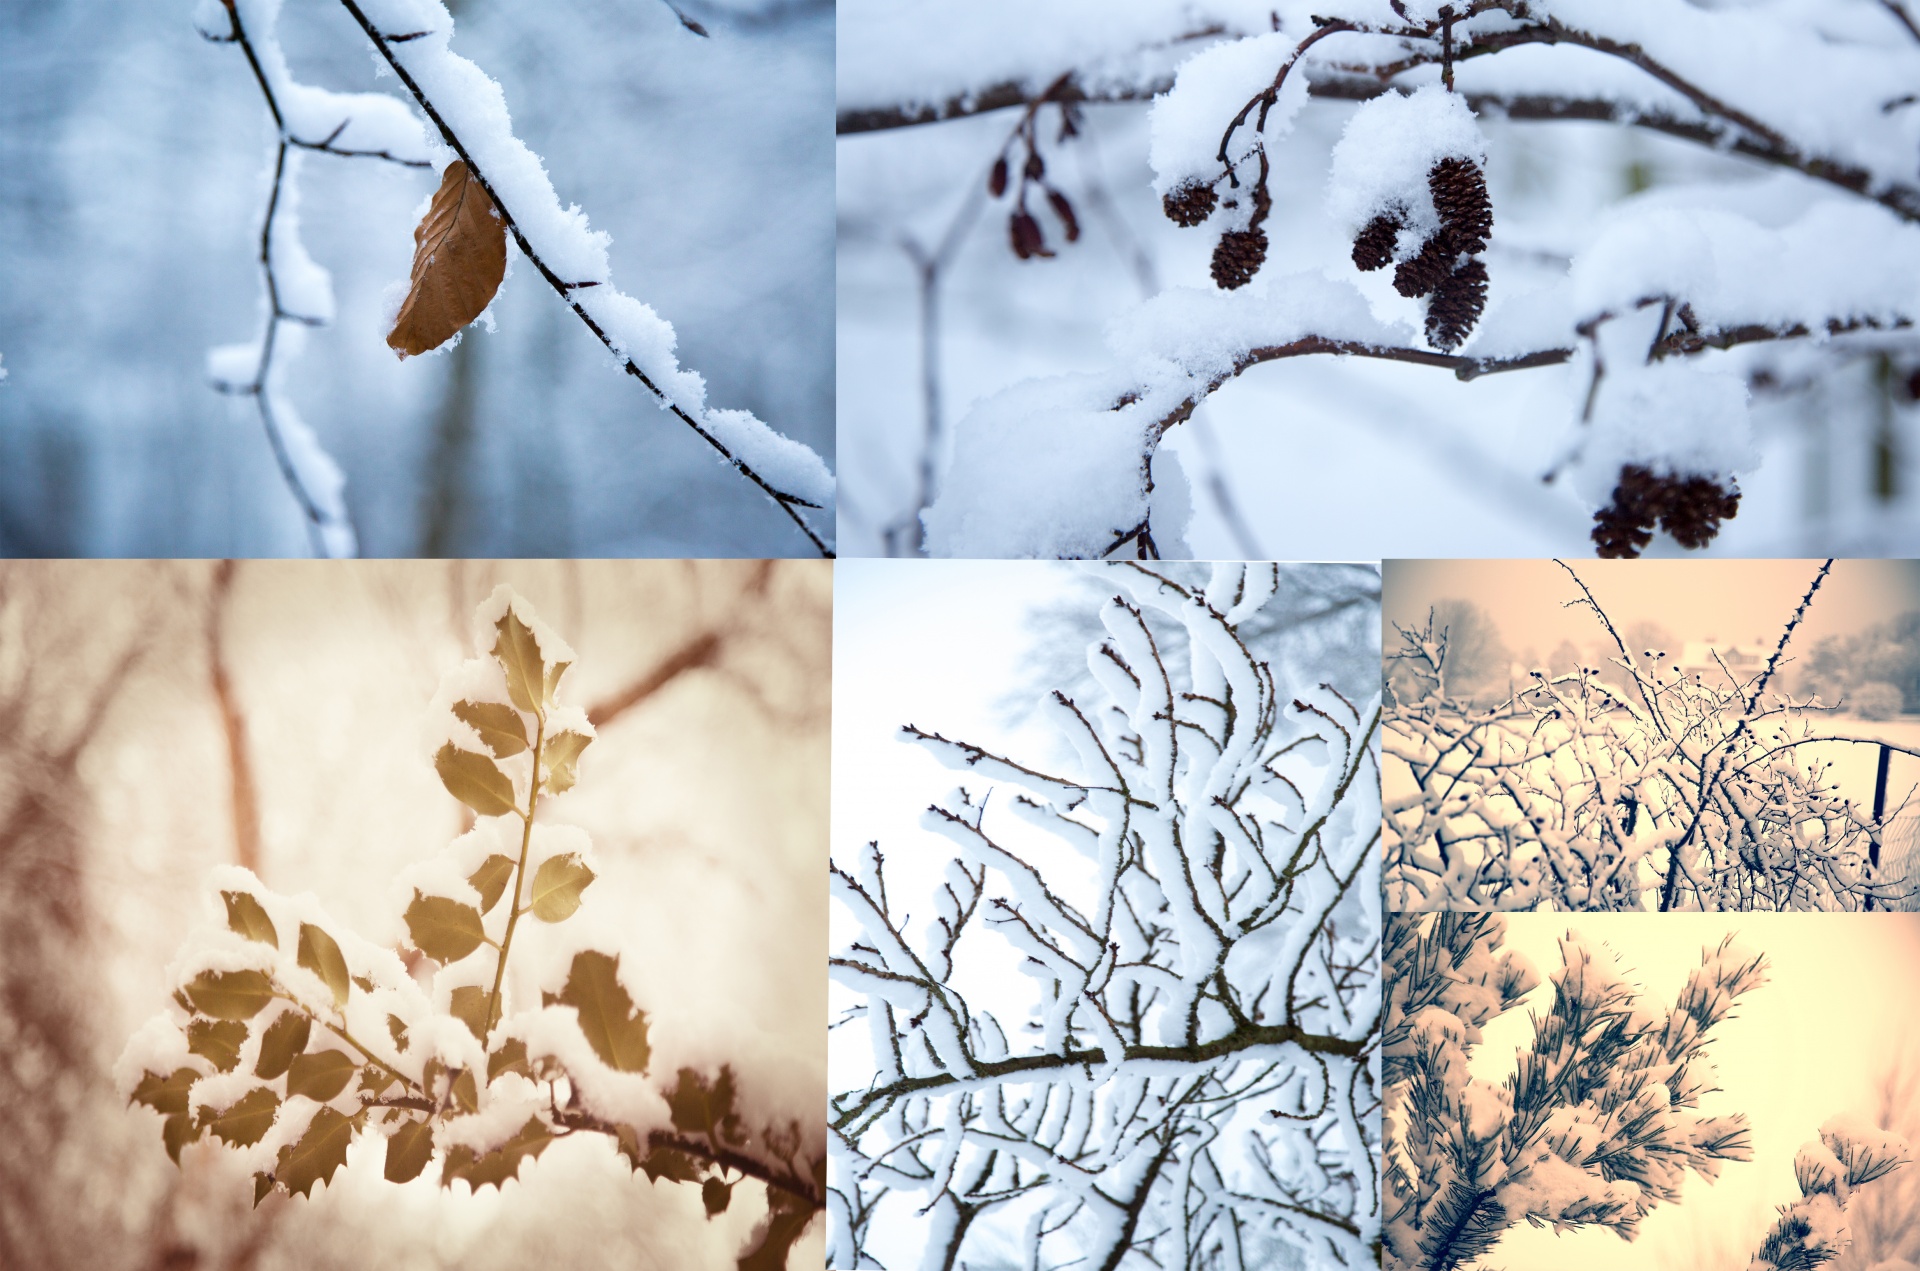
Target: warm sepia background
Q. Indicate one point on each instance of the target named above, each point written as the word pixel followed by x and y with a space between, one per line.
pixel 705 796
pixel 1831 1032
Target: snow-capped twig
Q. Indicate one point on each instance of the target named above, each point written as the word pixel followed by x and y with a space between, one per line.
pixel 309 475
pixel 788 501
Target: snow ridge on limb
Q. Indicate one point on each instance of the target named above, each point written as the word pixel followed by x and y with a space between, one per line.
pixel 1186 1067
pixel 468 109
pixel 290 1036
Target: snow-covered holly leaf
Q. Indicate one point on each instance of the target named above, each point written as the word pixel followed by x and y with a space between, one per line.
pixel 491 880
pixel 247 1120
pixel 670 1163
pixel 178 1131
pixel 561 757
pixel 519 656
pixel 474 780
pixel 320 1076
pixel 557 885
pixel 554 673
pixel 230 994
pixel 320 955
pixel 443 929
pixel 316 1154
pixel 511 1057
pixel 247 918
pixel 165 1095
pixel 699 1108
pixel 786 1221
pixel 217 1040
pixel 469 1006
pixel 616 1031
pixel 502 1163
pixel 408 1151
pixel 459 258
pixel 284 1038
pixel 466 1093
pixel 397 1029
pixel 501 728
pixel 715 1195
pixel 262 1184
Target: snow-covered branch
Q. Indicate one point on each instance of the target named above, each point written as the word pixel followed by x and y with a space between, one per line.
pixel 1675 791
pixel 1600 1121
pixel 1193 918
pixel 1659 292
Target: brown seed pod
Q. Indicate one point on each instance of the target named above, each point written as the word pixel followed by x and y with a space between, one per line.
pixel 1460 197
pixel 1690 508
pixel 1237 257
pixel 1695 508
pixel 1373 249
pixel 1427 269
pixel 1457 304
pixel 1024 231
pixel 1064 210
pixel 997 179
pixel 1188 205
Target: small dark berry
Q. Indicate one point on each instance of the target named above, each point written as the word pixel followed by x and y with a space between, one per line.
pixel 1028 241
pixel 1064 210
pixel 997 179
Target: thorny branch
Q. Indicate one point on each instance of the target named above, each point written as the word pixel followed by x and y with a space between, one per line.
pixel 786 502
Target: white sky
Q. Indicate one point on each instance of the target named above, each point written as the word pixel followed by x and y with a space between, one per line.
pixel 1734 600
pixel 1810 1044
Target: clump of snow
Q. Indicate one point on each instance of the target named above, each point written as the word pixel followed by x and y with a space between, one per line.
pixel 1189 120
pixel 1673 418
pixel 1381 163
pixel 552 648
pixel 787 464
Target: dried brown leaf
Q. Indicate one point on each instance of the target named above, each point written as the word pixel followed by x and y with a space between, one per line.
pixel 459 257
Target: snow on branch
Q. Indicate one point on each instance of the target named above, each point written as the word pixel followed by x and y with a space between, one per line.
pixel 1677 790
pixel 1600 1120
pixel 469 115
pixel 290 1037
pixel 1184 1071
pixel 1065 466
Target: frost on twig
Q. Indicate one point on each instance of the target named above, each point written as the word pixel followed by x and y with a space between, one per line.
pixel 1598 1123
pixel 1675 791
pixel 289 1036
pixel 1659 289
pixel 1183 1074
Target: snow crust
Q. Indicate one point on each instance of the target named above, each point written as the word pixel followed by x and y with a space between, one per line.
pixel 1188 122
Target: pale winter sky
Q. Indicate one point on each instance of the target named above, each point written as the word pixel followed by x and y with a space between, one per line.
pixel 1732 600
pixel 1811 1043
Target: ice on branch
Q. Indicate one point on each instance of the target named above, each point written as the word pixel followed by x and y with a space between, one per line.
pixel 289 1036
pixel 1184 1071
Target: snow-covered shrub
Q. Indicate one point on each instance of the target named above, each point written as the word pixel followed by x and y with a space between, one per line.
pixel 472 141
pixel 1600 1120
pixel 290 1036
pixel 1876 699
pixel 1777 273
pixel 1182 1073
pixel 1678 792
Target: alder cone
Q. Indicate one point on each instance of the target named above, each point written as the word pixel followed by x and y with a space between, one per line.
pixel 1373 249
pixel 1024 232
pixel 1428 268
pixel 1690 508
pixel 1457 304
pixel 1460 197
pixel 459 258
pixel 1189 205
pixel 1237 257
